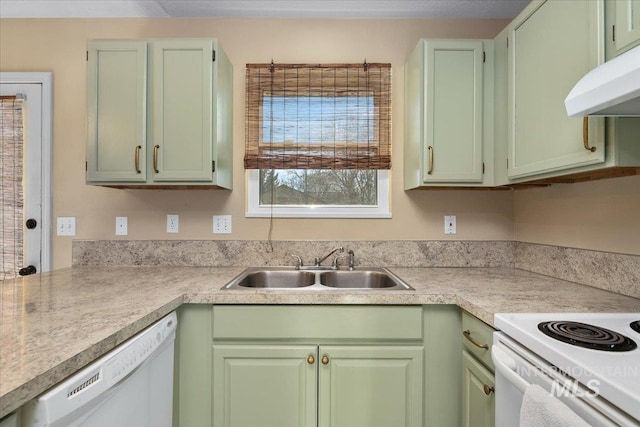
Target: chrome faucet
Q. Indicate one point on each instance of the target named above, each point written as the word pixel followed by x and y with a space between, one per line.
pixel 299 262
pixel 318 261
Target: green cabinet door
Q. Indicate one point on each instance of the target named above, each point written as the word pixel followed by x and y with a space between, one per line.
pixel 445 87
pixel 453 114
pixel 116 111
pixel 376 386
pixel 552 45
pixel 182 114
pixel 12 420
pixel 264 385
pixel 477 393
pixel 627 25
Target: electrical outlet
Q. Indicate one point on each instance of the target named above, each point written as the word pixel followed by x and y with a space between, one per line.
pixel 172 223
pixel 449 224
pixel 66 226
pixel 121 226
pixel 222 224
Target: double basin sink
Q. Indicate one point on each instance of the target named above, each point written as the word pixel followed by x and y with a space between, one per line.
pixel 289 278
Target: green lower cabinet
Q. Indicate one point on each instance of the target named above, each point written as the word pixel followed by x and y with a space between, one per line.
pixel 12 420
pixel 377 386
pixel 317 366
pixel 264 385
pixel 192 393
pixel 478 401
pixel 284 385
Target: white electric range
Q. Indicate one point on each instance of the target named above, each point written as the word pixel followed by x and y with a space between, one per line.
pixel 591 362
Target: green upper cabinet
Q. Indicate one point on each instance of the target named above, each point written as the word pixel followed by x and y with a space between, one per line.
pixel 116 111
pixel 159 112
pixel 624 15
pixel 552 45
pixel 183 119
pixel 446 114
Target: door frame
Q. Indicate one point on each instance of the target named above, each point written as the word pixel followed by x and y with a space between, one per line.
pixel 45 80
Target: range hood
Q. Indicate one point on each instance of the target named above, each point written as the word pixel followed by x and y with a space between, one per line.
pixel 611 89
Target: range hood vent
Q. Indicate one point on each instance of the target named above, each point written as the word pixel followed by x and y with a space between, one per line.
pixel 611 89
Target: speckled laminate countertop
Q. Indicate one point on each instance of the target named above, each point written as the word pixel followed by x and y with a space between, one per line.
pixel 53 324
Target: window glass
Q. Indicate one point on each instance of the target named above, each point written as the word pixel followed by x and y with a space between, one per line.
pixel 317 119
pixel 318 187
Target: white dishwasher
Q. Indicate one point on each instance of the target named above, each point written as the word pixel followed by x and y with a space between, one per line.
pixel 131 386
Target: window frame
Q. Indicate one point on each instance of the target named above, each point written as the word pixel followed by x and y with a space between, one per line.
pixel 257 210
pixel 319 80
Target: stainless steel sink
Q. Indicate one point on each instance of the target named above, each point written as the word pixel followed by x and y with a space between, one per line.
pixel 288 278
pixel 268 277
pixel 361 279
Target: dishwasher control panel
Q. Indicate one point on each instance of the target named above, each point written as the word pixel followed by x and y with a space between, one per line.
pixel 136 350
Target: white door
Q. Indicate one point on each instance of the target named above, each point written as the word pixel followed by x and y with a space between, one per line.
pixel 34 97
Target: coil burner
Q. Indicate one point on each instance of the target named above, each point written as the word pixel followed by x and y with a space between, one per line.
pixel 587 336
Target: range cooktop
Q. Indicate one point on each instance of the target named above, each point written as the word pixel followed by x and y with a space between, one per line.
pixel 552 336
pixel 587 335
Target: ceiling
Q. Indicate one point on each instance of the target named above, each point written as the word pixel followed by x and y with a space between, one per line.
pixel 438 9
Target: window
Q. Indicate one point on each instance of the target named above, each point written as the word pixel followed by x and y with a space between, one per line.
pixel 318 140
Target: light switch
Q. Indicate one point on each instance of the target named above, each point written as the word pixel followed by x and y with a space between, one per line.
pixel 66 226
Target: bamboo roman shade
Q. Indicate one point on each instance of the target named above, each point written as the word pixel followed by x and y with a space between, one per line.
pixel 11 213
pixel 301 116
